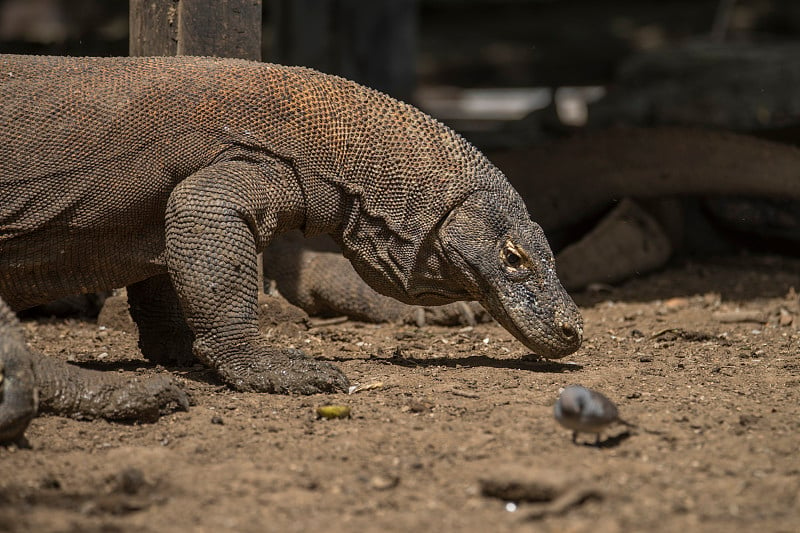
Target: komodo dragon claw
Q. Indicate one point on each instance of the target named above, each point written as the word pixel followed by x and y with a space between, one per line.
pixel 281 371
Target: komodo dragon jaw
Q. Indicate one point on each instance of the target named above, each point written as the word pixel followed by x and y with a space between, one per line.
pixel 505 262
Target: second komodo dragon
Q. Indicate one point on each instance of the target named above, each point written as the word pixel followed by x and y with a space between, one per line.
pixel 169 175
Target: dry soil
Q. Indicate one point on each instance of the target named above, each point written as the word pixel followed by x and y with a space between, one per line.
pixel 702 356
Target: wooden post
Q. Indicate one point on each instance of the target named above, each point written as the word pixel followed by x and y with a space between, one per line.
pixel 222 28
pixel 153 28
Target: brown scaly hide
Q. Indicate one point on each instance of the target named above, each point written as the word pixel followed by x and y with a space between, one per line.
pixel 95 144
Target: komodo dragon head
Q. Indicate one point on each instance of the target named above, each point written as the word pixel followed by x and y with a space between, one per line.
pixel 502 259
pixel 428 220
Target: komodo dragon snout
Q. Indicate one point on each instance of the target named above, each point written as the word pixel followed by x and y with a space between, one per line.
pixel 506 264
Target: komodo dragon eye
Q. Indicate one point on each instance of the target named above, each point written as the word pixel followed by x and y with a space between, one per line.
pixel 514 257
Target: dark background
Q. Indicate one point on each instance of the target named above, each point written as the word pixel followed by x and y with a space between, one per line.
pixel 466 43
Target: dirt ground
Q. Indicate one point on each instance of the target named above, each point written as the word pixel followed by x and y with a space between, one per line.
pixel 704 357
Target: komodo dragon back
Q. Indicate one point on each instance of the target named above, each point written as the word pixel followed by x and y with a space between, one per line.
pixel 169 174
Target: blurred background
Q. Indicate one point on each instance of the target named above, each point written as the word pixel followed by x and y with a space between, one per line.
pixel 485 65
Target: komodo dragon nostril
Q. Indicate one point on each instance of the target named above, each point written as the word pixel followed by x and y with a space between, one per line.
pixel 568 331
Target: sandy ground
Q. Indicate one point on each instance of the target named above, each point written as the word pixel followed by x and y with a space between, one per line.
pixel 703 357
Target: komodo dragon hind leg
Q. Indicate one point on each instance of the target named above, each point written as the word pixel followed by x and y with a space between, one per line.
pixel 216 221
pixel 164 336
pixel 35 383
pixel 324 283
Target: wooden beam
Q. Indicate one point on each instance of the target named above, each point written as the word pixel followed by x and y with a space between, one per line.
pixel 224 28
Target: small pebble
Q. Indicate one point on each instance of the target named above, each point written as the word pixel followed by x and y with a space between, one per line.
pixel 333 411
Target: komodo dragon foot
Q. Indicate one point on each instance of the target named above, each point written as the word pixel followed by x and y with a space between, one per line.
pixel 262 368
pixel 69 390
pixel 248 365
pixel 32 383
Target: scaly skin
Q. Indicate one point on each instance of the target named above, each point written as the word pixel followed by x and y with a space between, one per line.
pixel 314 276
pixel 119 171
pixel 32 383
pixel 19 394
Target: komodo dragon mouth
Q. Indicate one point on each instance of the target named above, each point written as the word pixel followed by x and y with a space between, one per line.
pixel 555 342
pixel 532 305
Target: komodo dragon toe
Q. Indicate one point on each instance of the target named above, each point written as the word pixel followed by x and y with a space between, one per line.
pixel 262 368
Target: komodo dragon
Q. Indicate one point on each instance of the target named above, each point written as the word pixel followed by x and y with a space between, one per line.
pixel 583 176
pixel 168 175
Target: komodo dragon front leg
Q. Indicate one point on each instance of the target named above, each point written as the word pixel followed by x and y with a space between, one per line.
pixel 216 220
pixel 32 383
